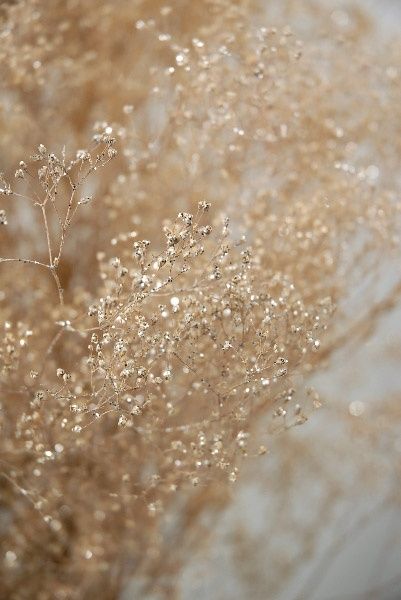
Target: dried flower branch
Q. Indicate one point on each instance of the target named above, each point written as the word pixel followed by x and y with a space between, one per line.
pixel 211 276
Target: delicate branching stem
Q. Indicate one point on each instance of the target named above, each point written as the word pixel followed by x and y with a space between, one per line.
pixel 53 264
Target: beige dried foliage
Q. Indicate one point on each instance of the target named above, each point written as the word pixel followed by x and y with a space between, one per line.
pixel 184 271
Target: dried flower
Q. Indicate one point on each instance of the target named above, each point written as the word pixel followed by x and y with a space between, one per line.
pixel 184 326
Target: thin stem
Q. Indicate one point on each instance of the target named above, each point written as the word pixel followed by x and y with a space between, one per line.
pixel 67 221
pixel 49 247
pixel 53 264
pixel 25 261
pixel 58 283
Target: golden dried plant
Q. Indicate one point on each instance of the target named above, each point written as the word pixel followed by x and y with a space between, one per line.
pixel 167 286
